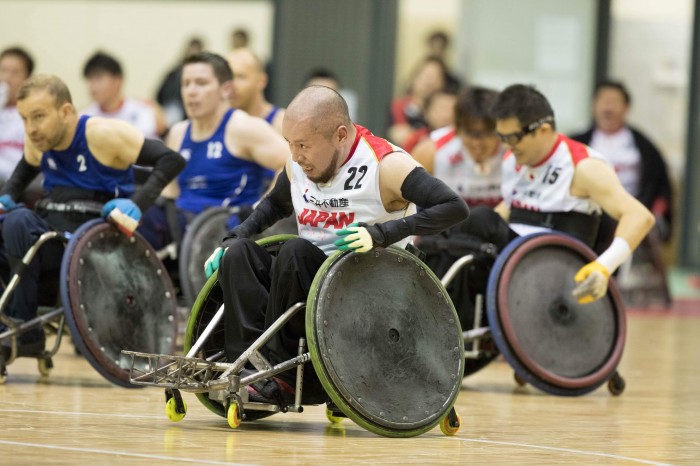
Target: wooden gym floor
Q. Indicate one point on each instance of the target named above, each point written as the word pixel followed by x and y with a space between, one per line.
pixel 76 417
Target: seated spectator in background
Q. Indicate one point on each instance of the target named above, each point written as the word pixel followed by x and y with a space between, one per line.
pixel 407 111
pixel 105 80
pixel 637 162
pixel 438 43
pixel 169 96
pixel 249 82
pixel 438 113
pixel 325 77
pixel 239 38
pixel 16 65
pixel 467 156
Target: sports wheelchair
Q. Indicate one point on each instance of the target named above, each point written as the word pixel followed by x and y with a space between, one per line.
pixel 392 360
pixel 112 292
pixel 549 339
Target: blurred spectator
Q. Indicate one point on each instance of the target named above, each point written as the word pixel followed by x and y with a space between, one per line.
pixel 249 82
pixel 169 96
pixel 438 113
pixel 407 111
pixel 638 163
pixel 325 77
pixel 239 38
pixel 16 65
pixel 438 42
pixel 105 80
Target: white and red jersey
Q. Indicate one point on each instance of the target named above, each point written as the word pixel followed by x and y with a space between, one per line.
pixel 478 184
pixel 138 113
pixel 546 187
pixel 352 195
pixel 11 140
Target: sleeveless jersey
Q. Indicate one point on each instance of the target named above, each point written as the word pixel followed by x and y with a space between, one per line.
pixel 546 186
pixel 351 196
pixel 271 116
pixel 11 140
pixel 477 184
pixel 76 167
pixel 138 113
pixel 213 174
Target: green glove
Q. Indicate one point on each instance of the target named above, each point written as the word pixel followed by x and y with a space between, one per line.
pixel 212 264
pixel 355 238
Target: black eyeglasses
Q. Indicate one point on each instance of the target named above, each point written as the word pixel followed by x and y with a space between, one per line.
pixel 513 139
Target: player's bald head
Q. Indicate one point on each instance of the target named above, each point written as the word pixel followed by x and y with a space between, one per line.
pixel 320 106
pixel 243 56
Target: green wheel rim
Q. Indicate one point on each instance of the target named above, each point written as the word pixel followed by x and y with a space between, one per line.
pixel 330 387
pixel 203 299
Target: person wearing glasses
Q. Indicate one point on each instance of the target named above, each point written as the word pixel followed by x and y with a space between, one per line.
pixel 550 182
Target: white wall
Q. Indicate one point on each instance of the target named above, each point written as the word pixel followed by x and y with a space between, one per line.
pixel 147 36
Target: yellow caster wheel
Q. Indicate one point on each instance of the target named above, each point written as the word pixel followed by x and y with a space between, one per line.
pixel 333 418
pixel 172 412
pixel 45 366
pixel 449 425
pixel 233 415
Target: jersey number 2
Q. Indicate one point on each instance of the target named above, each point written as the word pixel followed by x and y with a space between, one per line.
pixel 354 171
pixel 81 162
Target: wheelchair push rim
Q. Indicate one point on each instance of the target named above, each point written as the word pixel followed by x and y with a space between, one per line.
pixel 551 341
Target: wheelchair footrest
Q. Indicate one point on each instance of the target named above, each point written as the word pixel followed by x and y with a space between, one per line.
pixel 169 371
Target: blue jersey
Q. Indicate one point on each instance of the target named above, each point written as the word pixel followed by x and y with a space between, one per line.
pixel 270 174
pixel 76 167
pixel 213 175
pixel 271 116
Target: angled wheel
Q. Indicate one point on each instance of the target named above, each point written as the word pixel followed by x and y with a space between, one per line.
pixel 116 296
pixel 551 341
pixel 386 303
pixel 208 301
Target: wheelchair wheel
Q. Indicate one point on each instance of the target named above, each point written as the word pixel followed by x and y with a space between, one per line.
pixel 385 341
pixel 204 235
pixel 208 301
pixel 551 341
pixel 116 296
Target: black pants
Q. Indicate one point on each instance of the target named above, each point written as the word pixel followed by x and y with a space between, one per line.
pixel 483 225
pixel 21 228
pixel 257 289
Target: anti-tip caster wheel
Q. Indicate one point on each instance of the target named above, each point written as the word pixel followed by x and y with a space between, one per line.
pixel 233 415
pixel 519 380
pixel 449 425
pixel 331 416
pixel 45 365
pixel 616 385
pixel 175 413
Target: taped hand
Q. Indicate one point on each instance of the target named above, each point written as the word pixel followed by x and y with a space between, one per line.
pixel 592 281
pixel 212 263
pixel 355 238
pixel 123 213
pixel 6 203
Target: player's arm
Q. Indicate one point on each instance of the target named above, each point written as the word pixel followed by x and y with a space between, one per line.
pixel 117 144
pixel 24 173
pixel 424 154
pixel 402 180
pixel 597 180
pixel 255 140
pixel 174 141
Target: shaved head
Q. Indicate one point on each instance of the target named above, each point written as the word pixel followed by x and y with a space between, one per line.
pixel 320 106
pixel 244 56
